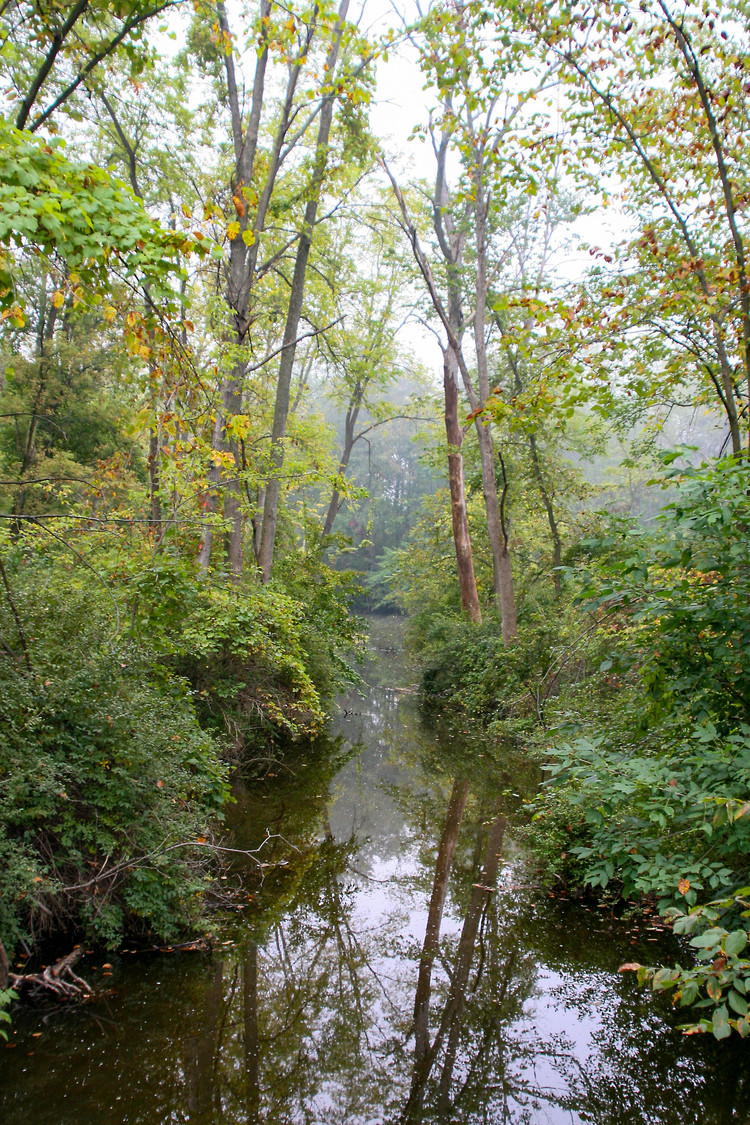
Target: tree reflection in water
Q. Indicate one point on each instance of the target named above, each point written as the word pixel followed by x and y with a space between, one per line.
pixel 400 968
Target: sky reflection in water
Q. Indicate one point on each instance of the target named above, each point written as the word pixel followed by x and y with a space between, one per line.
pixel 308 1014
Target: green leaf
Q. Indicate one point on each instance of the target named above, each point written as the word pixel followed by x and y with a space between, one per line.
pixel 735 942
pixel 737 1003
pixel 720 1023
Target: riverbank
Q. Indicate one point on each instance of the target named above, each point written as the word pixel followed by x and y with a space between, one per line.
pixel 305 1009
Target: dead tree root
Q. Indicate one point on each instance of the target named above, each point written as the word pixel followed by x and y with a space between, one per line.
pixel 57 981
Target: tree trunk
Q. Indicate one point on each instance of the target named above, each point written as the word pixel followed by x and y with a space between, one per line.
pixel 464 558
pixel 450 242
pixel 231 396
pixel 497 524
pixel 549 509
pixel 239 285
pixel 294 312
pixel 333 508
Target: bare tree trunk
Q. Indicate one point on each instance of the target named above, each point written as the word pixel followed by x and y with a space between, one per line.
pixel 258 523
pixel 349 424
pixel 239 285
pixel 461 538
pixel 45 339
pixel 450 242
pixel 230 404
pixel 294 313
pixel 549 509
pixel 497 524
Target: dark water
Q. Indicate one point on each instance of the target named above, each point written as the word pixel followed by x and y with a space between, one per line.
pixel 305 1012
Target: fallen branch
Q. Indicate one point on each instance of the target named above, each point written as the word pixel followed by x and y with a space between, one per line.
pixel 57 981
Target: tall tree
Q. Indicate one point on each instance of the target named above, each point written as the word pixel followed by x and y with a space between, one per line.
pixel 657 104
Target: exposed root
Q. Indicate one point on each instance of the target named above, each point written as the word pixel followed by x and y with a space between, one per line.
pixel 57 981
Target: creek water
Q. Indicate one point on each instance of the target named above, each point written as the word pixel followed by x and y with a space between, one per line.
pixel 333 995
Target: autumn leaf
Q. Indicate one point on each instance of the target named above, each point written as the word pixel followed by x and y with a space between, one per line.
pixel 233 230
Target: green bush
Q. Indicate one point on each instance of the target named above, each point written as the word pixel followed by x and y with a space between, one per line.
pixel 105 774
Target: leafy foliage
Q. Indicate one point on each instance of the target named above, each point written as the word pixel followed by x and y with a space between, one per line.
pixel 82 222
pixel 106 779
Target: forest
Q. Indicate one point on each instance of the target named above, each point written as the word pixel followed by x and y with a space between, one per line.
pixel 313 314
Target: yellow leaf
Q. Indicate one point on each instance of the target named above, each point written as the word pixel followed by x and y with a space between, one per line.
pixel 110 313
pixel 58 299
pixel 232 231
pixel 248 237
pixel 186 211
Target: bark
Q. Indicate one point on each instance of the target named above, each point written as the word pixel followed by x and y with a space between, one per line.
pixel 131 157
pixel 239 285
pixel 57 41
pixel 451 245
pixel 452 361
pixel 349 424
pixel 446 851
pixel 497 527
pixel 56 982
pixel 45 338
pixel 231 400
pixel 294 313
pixel 461 538
pixel 549 509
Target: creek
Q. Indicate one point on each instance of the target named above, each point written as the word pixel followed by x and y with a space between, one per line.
pixel 339 993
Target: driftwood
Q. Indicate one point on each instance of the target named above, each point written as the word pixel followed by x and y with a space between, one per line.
pixel 57 981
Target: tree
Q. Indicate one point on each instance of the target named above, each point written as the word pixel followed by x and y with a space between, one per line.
pixel 657 110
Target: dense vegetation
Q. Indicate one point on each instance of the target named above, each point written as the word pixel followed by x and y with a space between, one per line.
pixel 211 419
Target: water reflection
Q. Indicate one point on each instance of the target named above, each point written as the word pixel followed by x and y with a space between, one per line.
pixel 400 968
